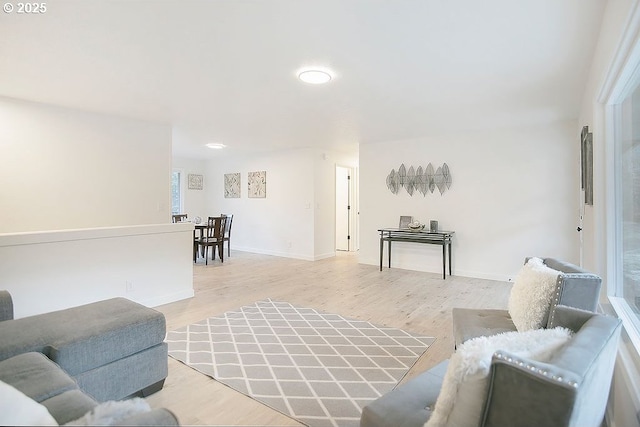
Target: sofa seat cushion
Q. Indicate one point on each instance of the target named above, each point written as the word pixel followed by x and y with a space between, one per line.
pixel 85 337
pixel 69 406
pixel 36 376
pixel 408 405
pixel 471 323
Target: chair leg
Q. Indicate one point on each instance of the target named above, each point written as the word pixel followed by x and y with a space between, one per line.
pixel 206 253
pixel 221 250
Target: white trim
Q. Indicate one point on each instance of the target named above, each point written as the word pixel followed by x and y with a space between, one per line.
pixel 626 387
pixel 621 78
pixel 275 253
pixel 624 54
pixel 55 236
pixel 627 316
pixel 183 187
pixel 166 299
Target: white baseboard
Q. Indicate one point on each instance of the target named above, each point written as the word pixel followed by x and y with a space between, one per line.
pixel 460 273
pixel 166 299
pixel 287 254
pixel 275 253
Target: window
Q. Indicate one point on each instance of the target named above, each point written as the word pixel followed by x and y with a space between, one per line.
pixel 625 296
pixel 176 192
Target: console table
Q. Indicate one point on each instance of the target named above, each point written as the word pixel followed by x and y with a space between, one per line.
pixel 442 238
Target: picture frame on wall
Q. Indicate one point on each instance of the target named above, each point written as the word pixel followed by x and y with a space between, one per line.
pixel 232 185
pixel 257 184
pixel 586 162
pixel 195 181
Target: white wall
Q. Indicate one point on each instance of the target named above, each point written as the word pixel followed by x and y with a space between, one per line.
pixel 297 218
pixel 281 223
pixel 512 196
pixel 63 169
pixel 52 270
pixel 66 169
pixel 194 203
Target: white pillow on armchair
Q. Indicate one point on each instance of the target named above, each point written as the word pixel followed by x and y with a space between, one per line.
pixel 532 294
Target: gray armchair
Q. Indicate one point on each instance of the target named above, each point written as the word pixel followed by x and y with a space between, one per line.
pixel 571 390
pixel 575 287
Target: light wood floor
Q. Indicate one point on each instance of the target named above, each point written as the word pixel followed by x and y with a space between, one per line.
pixel 413 301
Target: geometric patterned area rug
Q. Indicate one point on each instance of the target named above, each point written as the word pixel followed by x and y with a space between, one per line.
pixel 320 369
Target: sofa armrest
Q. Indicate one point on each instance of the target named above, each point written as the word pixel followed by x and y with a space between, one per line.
pixel 523 392
pixel 570 317
pixel 156 417
pixel 6 306
pixel 580 290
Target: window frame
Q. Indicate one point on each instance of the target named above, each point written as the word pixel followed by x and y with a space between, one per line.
pixel 621 88
pixel 182 189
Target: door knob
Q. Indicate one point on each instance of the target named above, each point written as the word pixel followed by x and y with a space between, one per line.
pixel 579 229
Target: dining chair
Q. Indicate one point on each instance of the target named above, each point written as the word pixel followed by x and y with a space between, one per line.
pixel 178 218
pixel 227 232
pixel 214 237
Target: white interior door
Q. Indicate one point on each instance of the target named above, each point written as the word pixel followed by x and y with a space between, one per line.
pixel 342 208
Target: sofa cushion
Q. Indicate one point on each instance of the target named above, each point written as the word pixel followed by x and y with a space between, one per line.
pixel 111 329
pixel 465 384
pixel 532 295
pixel 17 409
pixel 36 376
pixel 471 323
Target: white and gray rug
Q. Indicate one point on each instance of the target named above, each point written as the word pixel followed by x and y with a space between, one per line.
pixel 318 368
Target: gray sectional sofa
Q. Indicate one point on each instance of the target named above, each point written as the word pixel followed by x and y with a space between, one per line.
pixel 70 360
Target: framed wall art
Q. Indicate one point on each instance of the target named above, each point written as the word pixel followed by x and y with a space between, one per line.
pixel 195 181
pixel 257 184
pixel 586 160
pixel 231 185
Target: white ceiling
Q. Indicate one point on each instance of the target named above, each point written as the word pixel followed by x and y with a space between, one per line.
pixel 225 70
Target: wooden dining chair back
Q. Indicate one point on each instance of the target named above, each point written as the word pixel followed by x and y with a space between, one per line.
pixel 178 218
pixel 227 232
pixel 214 238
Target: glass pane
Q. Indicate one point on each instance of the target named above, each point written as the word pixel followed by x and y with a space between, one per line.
pixel 628 143
pixel 175 192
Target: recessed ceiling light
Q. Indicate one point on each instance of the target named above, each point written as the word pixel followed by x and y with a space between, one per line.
pixel 215 145
pixel 315 76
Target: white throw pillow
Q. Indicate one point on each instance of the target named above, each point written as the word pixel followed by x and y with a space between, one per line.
pixel 532 294
pixel 112 412
pixel 18 409
pixel 464 388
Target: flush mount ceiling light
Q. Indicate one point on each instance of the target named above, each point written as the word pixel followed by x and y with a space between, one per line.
pixel 216 146
pixel 315 76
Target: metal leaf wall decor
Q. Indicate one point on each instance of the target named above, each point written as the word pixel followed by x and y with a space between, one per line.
pixel 424 180
pixel 392 181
